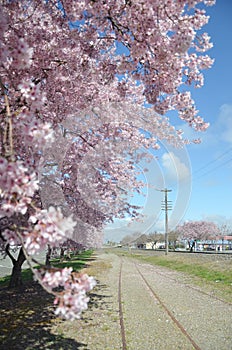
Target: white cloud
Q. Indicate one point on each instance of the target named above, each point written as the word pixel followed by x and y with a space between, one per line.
pixel 224 122
pixel 218 219
pixel 219 129
pixel 176 170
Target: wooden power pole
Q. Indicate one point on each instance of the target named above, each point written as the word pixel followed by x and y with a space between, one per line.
pixel 166 206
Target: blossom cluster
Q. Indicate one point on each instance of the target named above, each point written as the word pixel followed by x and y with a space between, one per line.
pixel 17 186
pixel 72 300
pixel 22 55
pixel 11 237
pixel 197 230
pixel 32 95
pixel 50 227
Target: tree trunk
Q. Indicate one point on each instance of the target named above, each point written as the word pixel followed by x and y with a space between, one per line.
pixel 192 245
pixel 16 276
pixel 48 256
pixel 61 254
pixel 174 246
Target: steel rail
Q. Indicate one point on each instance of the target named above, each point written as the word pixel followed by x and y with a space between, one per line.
pixel 178 324
pixel 124 346
pixel 191 287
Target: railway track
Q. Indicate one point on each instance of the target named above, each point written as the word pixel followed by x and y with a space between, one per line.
pixel 187 285
pixel 170 312
pixel 213 254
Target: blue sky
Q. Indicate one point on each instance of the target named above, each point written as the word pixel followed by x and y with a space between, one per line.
pixel 200 176
pixel 212 160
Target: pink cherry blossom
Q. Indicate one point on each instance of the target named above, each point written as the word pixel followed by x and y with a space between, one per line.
pixel 50 227
pixel 197 230
pixel 72 300
pixel 17 186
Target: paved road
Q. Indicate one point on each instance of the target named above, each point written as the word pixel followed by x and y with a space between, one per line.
pixel 6 264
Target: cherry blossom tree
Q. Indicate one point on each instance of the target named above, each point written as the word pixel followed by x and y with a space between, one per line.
pixel 173 237
pixel 70 246
pixel 130 239
pixel 12 250
pixel 225 230
pixel 75 78
pixel 194 230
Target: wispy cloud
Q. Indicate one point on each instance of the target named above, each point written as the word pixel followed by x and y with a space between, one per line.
pixel 220 220
pixel 176 169
pixel 219 130
pixel 224 123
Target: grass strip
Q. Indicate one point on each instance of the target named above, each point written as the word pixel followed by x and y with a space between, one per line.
pixel 77 262
pixel 194 269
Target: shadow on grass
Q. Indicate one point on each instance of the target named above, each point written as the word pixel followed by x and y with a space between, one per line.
pixel 26 320
pixel 77 265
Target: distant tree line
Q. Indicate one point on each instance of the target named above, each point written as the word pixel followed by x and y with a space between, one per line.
pixel 189 232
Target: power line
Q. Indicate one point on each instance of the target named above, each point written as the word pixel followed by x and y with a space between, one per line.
pixel 213 161
pixel 215 168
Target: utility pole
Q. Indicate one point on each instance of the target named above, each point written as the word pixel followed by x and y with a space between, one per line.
pixel 166 206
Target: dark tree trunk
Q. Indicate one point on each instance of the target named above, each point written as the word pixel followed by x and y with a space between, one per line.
pixel 16 276
pixel 191 246
pixel 61 254
pixel 174 246
pixel 48 256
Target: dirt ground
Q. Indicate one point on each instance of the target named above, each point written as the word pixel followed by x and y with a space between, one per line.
pixel 27 320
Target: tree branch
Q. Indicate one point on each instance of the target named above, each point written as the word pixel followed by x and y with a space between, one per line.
pixel 7 250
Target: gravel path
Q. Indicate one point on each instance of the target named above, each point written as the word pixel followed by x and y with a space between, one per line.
pixel 148 326
pixel 206 319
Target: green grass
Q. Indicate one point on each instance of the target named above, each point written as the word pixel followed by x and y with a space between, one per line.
pixel 77 262
pixel 4 281
pixel 27 275
pixel 195 269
